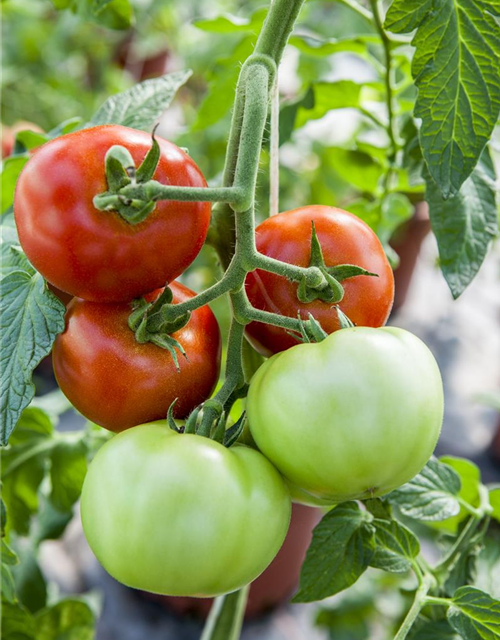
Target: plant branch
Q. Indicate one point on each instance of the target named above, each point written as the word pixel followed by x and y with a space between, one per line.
pixel 274 150
pixel 226 616
pixel 418 603
pixel 154 191
pixel 466 534
pixel 389 92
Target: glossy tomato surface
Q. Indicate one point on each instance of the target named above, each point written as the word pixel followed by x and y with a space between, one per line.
pixel 344 239
pixel 96 255
pixel 351 417
pixel 181 514
pixel 117 382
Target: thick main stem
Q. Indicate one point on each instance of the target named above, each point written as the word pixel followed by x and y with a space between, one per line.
pixel 389 93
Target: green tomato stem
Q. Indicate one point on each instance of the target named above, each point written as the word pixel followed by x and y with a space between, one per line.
pixel 389 94
pixel 418 603
pixel 440 602
pixel 154 191
pixel 226 616
pixel 466 534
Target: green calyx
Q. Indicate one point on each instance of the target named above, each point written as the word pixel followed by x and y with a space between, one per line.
pixel 147 320
pixel 209 420
pixel 121 172
pixel 330 290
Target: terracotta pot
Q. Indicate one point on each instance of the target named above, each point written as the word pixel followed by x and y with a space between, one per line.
pixel 407 243
pixel 141 68
pixel 279 580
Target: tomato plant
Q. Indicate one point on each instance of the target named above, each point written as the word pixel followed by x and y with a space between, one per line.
pixel 346 413
pixel 118 383
pixel 344 239
pixel 349 432
pixel 203 536
pixel 98 255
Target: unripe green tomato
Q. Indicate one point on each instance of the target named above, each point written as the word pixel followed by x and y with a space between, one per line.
pixel 352 417
pixel 181 514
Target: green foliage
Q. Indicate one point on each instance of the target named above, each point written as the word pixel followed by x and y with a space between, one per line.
pixel 475 614
pixel 31 318
pixel 431 495
pixel 11 169
pixel 457 71
pixel 465 224
pixel 396 546
pixel 114 14
pixel 340 551
pixel 42 476
pixel 71 619
pixel 468 558
pixel 142 105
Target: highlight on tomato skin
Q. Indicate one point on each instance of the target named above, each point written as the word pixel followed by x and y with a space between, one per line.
pixel 344 239
pixel 97 255
pixel 181 514
pixel 118 383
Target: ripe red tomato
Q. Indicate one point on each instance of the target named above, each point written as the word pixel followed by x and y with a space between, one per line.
pixel 117 382
pixel 96 255
pixel 344 239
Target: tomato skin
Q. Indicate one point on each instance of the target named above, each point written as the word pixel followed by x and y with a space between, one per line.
pixel 96 255
pixel 181 514
pixel 351 417
pixel 344 239
pixel 117 382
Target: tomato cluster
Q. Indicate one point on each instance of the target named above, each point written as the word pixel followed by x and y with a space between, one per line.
pixel 351 417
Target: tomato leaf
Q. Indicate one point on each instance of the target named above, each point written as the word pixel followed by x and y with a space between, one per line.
pixel 341 550
pixel 7 586
pixel 436 630
pixel 317 46
pixel 431 495
pixel 49 523
pixel 12 256
pixel 32 316
pixel 464 225
pixel 114 14
pixel 456 68
pixel 488 564
pixel 70 619
pixel 23 467
pixel 332 95
pixel 223 79
pixel 395 547
pixel 67 472
pixel 11 168
pixel 227 23
pixel 288 114
pixel 142 105
pixel 475 614
pixel 379 508
pixel 470 478
pixel 31 588
pixel 17 622
pixel 463 571
pixel 9 559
